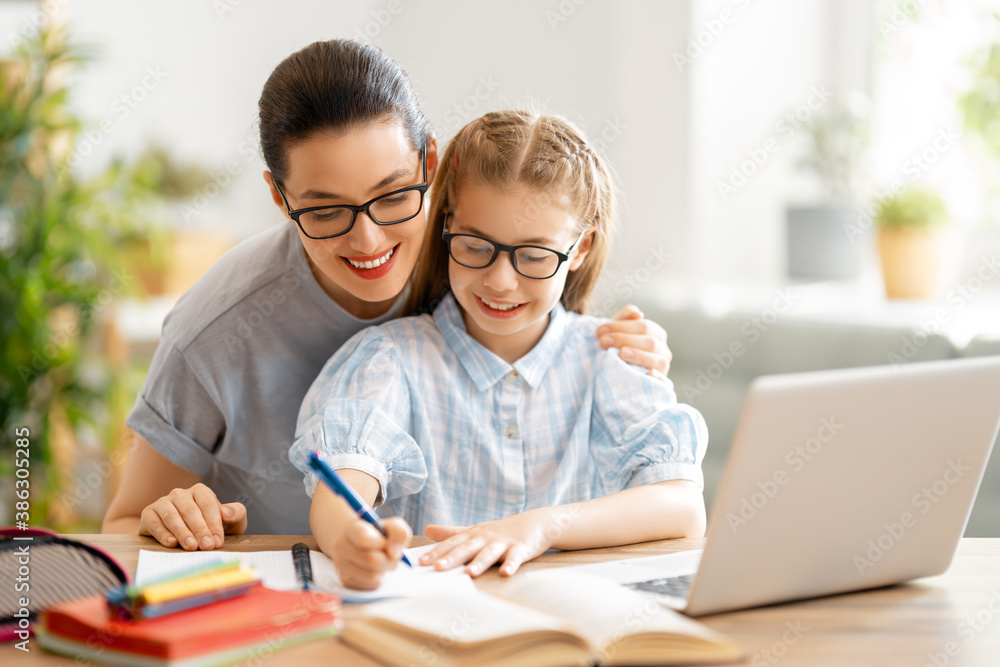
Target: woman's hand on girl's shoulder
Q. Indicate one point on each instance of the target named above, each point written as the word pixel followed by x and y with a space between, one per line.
pixel 510 542
pixel 642 342
pixel 192 518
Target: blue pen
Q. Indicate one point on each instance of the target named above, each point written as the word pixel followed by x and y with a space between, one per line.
pixel 337 485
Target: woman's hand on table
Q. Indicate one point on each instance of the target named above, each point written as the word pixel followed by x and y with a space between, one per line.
pixel 192 518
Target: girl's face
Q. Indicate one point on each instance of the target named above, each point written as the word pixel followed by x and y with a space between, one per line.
pixel 505 311
pixel 365 269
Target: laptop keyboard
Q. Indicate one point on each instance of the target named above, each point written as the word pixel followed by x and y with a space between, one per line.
pixel 672 586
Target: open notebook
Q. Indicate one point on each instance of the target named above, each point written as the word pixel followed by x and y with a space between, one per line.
pixel 278 572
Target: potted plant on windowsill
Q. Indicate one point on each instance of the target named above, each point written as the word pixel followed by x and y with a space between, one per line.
pixel 910 234
pixel 818 245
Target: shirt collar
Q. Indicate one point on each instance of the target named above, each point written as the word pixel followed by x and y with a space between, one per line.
pixel 486 368
pixel 533 366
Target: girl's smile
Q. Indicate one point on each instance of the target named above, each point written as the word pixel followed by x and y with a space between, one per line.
pixel 499 309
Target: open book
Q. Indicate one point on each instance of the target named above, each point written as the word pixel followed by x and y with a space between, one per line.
pixel 545 618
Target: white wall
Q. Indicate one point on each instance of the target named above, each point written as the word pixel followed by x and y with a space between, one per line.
pixel 673 129
pixel 605 65
pixel 760 62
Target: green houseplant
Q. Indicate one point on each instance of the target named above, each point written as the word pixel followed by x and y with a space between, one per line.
pixel 910 225
pixel 979 109
pixel 62 267
pixel 980 102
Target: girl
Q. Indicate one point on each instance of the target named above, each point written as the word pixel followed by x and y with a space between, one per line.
pixel 349 155
pixel 497 426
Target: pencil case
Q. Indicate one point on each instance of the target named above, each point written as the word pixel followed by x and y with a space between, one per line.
pixel 40 569
pixel 190 589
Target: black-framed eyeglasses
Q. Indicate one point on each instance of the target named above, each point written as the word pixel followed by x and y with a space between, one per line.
pixel 392 208
pixel 531 261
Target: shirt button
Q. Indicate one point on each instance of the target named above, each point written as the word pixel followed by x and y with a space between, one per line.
pixel 512 376
pixel 511 431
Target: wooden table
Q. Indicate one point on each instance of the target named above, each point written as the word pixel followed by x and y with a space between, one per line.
pixel 944 621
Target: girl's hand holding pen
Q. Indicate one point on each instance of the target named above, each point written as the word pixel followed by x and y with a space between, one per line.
pixel 358 550
pixel 347 529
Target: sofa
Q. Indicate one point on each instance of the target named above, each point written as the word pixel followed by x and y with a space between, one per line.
pixel 717 352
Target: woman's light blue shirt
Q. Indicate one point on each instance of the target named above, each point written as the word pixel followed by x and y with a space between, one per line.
pixel 457 436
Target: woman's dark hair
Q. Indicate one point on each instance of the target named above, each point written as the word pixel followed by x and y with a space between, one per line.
pixel 334 86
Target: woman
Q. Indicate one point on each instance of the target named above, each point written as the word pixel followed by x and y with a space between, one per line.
pixel 345 144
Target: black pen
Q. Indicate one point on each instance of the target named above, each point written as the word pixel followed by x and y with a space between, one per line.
pixel 303 564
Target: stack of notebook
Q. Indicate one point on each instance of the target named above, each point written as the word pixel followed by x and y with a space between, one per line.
pixel 218 616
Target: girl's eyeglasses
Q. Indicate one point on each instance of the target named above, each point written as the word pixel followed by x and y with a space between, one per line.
pixel 531 261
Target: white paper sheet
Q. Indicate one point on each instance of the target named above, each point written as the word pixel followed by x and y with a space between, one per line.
pixel 278 572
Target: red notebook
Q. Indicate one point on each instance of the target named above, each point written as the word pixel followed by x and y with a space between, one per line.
pixel 262 621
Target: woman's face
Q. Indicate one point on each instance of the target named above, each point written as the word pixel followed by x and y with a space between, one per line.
pixel 352 168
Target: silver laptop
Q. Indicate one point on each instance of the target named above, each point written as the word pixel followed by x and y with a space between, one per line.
pixel 836 481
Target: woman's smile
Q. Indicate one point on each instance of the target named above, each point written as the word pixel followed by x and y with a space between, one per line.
pixel 372 267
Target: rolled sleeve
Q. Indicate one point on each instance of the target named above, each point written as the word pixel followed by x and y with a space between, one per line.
pixel 641 434
pixel 169 442
pixel 175 414
pixel 357 414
